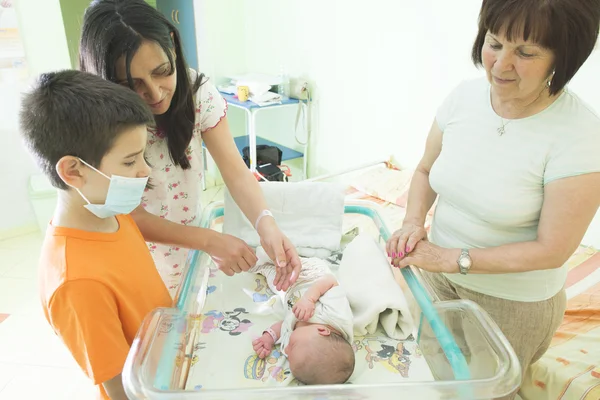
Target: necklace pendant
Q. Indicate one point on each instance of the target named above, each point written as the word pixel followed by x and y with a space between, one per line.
pixel 501 131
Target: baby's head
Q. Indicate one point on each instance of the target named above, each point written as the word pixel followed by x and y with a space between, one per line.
pixel 319 355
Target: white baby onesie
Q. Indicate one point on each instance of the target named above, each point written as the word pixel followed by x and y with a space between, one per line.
pixel 331 309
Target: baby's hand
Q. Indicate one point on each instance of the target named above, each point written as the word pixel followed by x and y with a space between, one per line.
pixel 304 309
pixel 263 345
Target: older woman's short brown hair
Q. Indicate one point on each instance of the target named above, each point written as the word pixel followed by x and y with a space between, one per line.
pixel 567 27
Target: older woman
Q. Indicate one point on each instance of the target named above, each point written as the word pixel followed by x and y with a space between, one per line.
pixel 514 161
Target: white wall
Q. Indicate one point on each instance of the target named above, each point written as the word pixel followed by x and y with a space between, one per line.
pixel 380 68
pixel 42 32
pixel 587 85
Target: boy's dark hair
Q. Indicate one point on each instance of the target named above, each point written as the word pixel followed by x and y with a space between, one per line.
pixel 73 113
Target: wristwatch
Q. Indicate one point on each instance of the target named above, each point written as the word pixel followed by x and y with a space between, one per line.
pixel 464 262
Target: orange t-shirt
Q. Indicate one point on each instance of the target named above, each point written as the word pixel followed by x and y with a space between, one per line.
pixel 96 288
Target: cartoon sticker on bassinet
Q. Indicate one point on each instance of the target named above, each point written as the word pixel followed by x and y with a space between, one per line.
pixel 262 293
pixel 227 322
pixel 165 326
pixel 190 355
pixel 180 358
pixel 417 352
pixel 255 368
pixel 395 359
pixel 335 258
pixel 170 323
pixel 197 346
pixel 356 346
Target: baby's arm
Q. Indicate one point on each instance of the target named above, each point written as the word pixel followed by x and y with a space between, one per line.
pixel 320 287
pixel 304 308
pixel 263 345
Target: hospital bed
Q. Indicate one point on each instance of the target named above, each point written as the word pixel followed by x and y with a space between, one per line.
pixel 201 348
pixel 570 369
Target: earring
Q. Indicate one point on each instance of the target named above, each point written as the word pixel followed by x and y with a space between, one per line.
pixel 550 80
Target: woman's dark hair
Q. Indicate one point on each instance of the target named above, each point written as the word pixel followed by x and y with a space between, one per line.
pixel 116 28
pixel 567 27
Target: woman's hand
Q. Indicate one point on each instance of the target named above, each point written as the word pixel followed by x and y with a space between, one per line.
pixel 430 257
pixel 404 240
pixel 230 254
pixel 281 251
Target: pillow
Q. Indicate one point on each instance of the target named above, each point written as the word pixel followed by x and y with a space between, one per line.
pixel 388 184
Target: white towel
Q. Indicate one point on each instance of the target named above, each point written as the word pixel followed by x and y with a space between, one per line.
pixel 374 295
pixel 310 214
pixel 266 99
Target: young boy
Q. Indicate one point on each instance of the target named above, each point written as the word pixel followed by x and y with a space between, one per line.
pixel 97 278
pixel 316 331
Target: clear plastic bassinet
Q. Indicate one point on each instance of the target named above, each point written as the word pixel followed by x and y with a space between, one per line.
pixel 468 356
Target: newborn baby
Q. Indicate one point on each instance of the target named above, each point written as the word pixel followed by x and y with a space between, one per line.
pixel 316 331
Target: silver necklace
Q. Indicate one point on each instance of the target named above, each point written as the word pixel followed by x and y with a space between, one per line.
pixel 502 129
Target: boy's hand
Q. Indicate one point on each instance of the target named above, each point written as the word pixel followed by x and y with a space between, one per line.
pixel 263 345
pixel 304 309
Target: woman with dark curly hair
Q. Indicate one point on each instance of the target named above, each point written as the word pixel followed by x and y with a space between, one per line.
pixel 131 43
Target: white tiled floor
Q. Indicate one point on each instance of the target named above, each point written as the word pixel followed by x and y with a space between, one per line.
pixel 34 364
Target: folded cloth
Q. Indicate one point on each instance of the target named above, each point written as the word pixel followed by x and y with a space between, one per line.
pixel 266 99
pixel 375 297
pixel 256 88
pixel 310 214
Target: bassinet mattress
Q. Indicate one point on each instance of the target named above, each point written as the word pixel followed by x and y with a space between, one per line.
pixel 238 309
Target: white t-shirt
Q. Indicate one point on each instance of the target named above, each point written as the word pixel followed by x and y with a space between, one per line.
pixel 176 192
pixel 491 187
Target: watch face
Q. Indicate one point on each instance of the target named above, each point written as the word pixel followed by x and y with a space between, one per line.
pixel 465 262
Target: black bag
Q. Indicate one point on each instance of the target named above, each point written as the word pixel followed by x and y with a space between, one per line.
pixel 268 159
pixel 265 154
pixel 272 173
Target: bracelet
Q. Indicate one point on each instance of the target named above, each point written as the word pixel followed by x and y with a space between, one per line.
pixel 264 213
pixel 271 333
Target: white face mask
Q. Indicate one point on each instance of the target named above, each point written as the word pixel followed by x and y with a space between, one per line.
pixel 124 195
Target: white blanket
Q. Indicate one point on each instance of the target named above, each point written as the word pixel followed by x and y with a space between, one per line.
pixel 309 213
pixel 374 295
